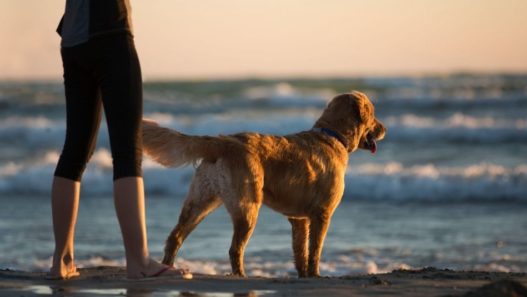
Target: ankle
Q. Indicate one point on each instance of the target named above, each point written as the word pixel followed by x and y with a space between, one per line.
pixel 65 259
pixel 138 264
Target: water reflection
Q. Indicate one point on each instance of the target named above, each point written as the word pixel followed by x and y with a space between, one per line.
pixel 195 294
pixel 174 293
pixel 134 292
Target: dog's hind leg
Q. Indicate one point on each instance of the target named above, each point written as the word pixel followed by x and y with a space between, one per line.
pixel 300 244
pixel 243 220
pixel 196 207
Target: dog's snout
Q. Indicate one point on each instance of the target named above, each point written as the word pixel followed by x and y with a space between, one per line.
pixel 380 130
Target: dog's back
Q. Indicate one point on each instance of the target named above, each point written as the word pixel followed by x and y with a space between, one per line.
pixel 293 170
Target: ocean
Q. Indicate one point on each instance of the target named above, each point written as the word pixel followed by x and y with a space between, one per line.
pixel 447 187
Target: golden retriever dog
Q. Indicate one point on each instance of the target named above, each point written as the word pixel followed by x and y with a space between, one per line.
pixel 299 175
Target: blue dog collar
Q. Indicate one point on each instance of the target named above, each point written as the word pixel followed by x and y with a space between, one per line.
pixel 333 134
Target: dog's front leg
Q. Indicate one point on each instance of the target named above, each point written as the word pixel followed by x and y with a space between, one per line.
pixel 300 244
pixel 317 233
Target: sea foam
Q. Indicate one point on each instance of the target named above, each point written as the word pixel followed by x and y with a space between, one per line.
pixel 392 180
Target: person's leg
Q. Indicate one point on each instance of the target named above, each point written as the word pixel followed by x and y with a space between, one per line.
pixel 64 206
pixel 130 208
pixel 121 87
pixel 83 114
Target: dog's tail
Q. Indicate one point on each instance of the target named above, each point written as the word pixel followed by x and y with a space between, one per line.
pixel 173 149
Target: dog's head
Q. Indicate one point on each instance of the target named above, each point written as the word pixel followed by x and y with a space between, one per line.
pixel 352 116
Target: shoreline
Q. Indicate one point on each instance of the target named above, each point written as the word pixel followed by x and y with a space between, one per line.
pixel 111 281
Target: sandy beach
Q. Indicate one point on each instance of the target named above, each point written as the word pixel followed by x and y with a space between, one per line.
pixel 111 281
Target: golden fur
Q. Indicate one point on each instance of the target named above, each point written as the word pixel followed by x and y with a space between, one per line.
pixel 299 175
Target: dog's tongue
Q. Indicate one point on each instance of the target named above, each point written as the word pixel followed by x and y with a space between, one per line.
pixel 373 146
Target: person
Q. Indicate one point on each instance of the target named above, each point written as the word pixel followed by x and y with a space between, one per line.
pixel 101 71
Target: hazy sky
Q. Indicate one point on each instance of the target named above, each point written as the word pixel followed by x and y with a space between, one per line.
pixel 236 38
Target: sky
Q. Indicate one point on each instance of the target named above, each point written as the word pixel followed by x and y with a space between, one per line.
pixel 208 39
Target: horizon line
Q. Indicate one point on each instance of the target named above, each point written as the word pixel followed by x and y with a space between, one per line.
pixel 270 77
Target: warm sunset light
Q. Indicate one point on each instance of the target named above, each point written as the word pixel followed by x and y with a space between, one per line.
pixel 237 38
pixel 256 145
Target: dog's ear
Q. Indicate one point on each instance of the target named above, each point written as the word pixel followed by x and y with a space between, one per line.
pixel 338 111
pixel 354 104
pixel 362 107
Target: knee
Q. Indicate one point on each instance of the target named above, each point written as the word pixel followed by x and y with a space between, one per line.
pixel 127 154
pixel 127 167
pixel 71 166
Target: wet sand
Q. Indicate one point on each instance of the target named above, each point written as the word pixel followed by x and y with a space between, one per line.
pixel 111 281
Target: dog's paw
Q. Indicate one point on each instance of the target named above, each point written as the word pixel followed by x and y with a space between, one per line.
pixel 242 275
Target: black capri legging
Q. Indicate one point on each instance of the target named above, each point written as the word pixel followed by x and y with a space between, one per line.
pixel 102 73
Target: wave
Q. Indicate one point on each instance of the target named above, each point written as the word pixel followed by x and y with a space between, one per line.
pixel 254 266
pixel 285 95
pixel 276 263
pixel 457 127
pixel 394 94
pixel 369 260
pixel 26 133
pixel 389 181
pixel 266 98
pixel 393 181
pixel 457 120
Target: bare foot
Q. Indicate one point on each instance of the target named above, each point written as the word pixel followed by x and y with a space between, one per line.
pixel 63 272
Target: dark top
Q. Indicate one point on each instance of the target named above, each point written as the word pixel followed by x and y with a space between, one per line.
pixel 86 19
